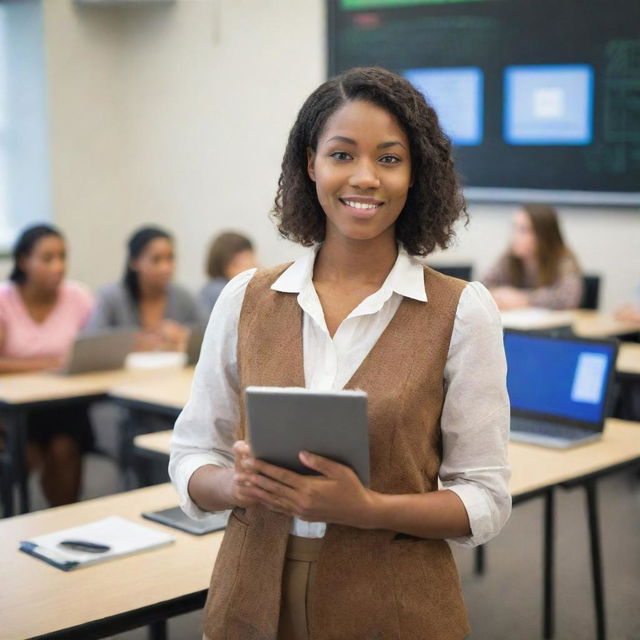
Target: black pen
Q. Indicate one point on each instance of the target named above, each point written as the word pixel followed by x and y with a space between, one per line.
pixel 83 545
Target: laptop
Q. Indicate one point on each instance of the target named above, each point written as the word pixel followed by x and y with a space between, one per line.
pixel 101 351
pixel 560 387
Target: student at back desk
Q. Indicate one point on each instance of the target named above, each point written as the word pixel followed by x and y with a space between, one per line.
pixel 41 314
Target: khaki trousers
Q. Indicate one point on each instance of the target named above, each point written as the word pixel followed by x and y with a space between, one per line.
pixel 298 579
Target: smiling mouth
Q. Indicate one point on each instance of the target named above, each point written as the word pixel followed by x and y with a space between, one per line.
pixel 362 206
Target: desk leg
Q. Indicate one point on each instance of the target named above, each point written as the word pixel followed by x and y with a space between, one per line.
pixel 596 558
pixel 158 630
pixel 6 483
pixel 548 593
pixel 16 467
pixel 21 471
pixel 479 560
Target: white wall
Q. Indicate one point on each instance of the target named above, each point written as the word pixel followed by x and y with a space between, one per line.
pixel 178 114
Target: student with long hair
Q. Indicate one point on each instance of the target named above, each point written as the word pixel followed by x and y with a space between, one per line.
pixel 368 184
pixel 146 298
pixel 41 314
pixel 538 269
pixel 230 253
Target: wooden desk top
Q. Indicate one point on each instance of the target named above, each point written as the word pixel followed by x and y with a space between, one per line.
pixel 587 323
pixel 158 442
pixel 18 389
pixel 533 467
pixel 595 324
pixel 173 388
pixel 170 390
pixel 39 599
pixel 629 358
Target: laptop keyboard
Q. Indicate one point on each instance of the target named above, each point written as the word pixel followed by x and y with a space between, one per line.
pixel 550 429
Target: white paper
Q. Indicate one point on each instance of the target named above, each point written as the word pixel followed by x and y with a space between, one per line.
pixel 535 317
pixel 589 378
pixel 121 535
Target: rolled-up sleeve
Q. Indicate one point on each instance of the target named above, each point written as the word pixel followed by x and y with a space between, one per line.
pixel 204 431
pixel 475 417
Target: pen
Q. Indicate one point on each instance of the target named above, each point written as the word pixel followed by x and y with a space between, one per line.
pixel 83 545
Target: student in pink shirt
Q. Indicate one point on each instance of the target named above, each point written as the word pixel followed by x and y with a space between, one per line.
pixel 41 314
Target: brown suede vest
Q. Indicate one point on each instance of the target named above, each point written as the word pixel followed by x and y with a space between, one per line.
pixel 370 585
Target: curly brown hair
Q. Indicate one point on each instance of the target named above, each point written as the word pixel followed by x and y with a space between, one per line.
pixel 435 201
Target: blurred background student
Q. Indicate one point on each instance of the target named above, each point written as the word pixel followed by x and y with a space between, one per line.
pixel 41 314
pixel 229 254
pixel 538 269
pixel 147 298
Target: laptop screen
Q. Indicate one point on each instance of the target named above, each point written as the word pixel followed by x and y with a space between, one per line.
pixel 559 377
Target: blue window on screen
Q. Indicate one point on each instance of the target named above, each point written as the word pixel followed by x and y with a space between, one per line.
pixel 548 105
pixel 457 96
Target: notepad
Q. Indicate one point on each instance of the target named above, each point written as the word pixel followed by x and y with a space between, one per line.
pixel 532 317
pixel 122 536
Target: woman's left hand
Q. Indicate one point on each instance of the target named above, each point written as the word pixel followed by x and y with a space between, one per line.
pixel 336 496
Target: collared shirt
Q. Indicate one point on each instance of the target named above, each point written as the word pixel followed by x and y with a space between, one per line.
pixel 475 415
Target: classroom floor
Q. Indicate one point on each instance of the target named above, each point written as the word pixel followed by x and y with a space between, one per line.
pixel 505 603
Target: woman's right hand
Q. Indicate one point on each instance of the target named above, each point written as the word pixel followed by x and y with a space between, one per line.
pixel 239 489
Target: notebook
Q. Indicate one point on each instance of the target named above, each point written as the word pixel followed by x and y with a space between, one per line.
pixel 121 536
pixel 332 424
pixel 560 388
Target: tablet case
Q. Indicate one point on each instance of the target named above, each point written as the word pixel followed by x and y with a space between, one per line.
pixel 284 421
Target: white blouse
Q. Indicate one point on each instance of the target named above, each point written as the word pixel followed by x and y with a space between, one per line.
pixel 475 415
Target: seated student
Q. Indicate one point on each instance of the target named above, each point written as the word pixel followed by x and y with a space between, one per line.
pixel 146 297
pixel 41 314
pixel 538 269
pixel 230 254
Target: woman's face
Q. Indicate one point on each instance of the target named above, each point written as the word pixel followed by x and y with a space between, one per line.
pixel 156 264
pixel 362 171
pixel 46 265
pixel 524 244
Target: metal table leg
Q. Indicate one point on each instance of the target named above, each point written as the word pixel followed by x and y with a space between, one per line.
pixel 479 560
pixel 15 469
pixel 596 558
pixel 549 549
pixel 158 630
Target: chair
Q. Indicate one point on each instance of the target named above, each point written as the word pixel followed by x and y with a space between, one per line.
pixel 462 271
pixel 591 292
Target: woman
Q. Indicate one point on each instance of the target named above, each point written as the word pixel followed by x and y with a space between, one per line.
pixel 538 270
pixel 368 181
pixel 41 314
pixel 230 254
pixel 146 298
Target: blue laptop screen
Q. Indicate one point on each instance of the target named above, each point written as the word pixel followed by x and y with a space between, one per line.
pixel 558 377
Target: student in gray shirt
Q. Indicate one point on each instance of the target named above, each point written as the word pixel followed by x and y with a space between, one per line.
pixel 230 254
pixel 146 298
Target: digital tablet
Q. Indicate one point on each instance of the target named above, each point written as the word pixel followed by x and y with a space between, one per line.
pixel 284 421
pixel 175 517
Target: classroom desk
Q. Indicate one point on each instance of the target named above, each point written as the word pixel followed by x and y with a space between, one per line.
pixel 22 392
pixel 596 324
pixel 166 394
pixel 537 472
pixel 586 323
pixel 40 601
pixel 628 363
